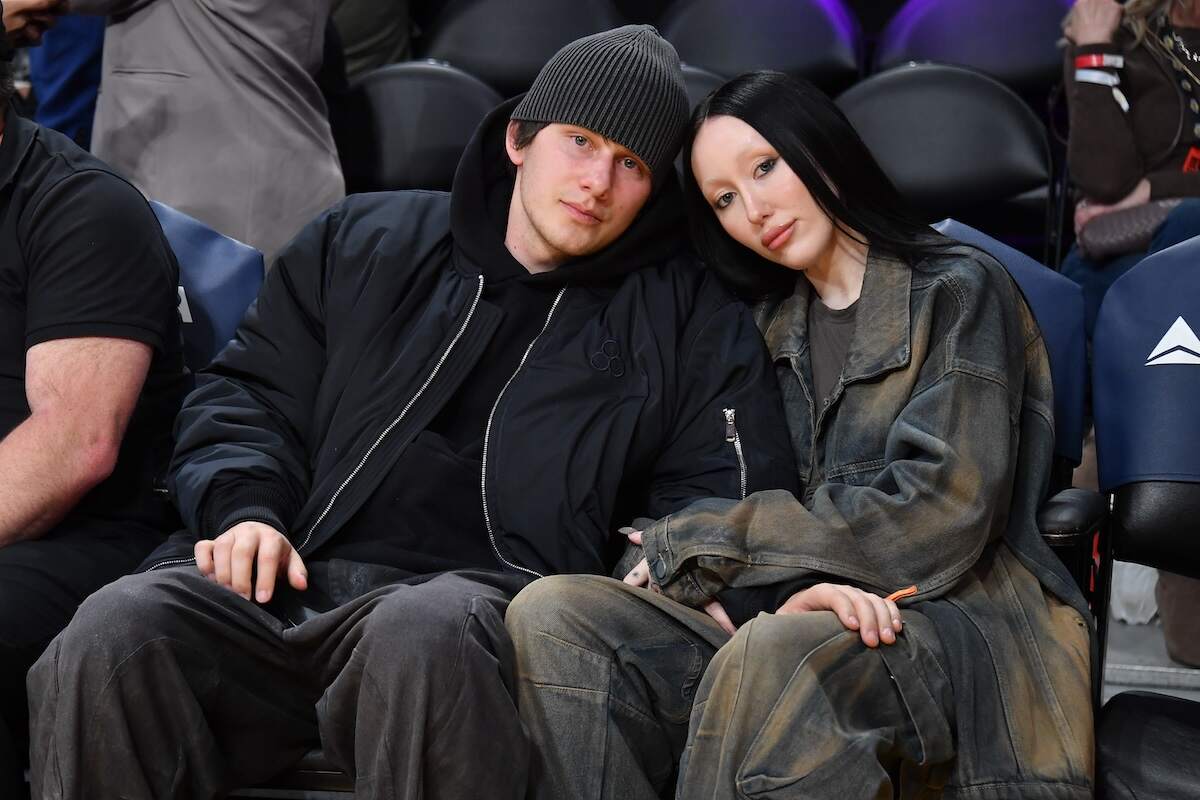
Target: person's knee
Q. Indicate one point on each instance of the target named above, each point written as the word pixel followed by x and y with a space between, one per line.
pixel 554 605
pixel 788 638
pixel 429 630
pixel 116 619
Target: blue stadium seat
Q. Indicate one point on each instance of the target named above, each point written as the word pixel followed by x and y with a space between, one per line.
pixel 406 125
pixel 505 43
pixel 1057 305
pixel 1146 378
pixel 218 279
pixel 819 40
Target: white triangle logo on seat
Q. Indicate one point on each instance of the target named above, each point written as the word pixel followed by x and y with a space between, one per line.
pixel 1178 346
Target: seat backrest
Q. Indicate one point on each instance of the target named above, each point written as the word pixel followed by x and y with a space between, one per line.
pixel 819 40
pixel 1146 386
pixel 407 125
pixel 699 83
pixel 953 140
pixel 1013 41
pixel 1057 305
pixel 219 278
pixel 506 42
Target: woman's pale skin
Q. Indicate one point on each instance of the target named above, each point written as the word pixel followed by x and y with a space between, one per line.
pixel 763 206
pixel 1096 22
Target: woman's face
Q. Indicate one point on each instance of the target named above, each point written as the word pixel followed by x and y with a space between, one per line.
pixel 757 198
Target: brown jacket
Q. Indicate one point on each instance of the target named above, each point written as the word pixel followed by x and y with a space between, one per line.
pixel 1109 150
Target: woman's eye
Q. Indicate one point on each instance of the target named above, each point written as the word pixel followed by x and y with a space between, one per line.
pixel 765 166
pixel 724 200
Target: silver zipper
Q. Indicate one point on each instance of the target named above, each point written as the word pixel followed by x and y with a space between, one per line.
pixel 731 436
pixel 404 411
pixel 174 562
pixel 487 516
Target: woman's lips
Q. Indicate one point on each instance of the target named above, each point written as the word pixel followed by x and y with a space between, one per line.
pixel 580 215
pixel 777 237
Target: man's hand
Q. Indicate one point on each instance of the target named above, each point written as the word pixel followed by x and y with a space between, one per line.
pixel 1093 22
pixel 1087 211
pixel 876 619
pixel 230 559
pixel 26 20
pixel 640 576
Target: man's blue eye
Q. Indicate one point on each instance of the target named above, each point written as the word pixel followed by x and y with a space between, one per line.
pixel 581 140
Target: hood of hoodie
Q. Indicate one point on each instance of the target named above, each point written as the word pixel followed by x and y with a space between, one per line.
pixel 482 193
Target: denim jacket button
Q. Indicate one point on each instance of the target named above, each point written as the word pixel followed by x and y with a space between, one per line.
pixel 659 569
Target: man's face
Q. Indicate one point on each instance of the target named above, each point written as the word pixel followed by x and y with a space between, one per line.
pixel 575 193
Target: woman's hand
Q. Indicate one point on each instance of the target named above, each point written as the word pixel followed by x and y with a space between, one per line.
pixel 26 20
pixel 1093 22
pixel 1087 211
pixel 875 618
pixel 640 576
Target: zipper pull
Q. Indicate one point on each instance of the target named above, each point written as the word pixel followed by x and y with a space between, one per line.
pixel 730 424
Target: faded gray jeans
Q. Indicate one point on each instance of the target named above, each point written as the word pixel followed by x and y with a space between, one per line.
pixel 166 685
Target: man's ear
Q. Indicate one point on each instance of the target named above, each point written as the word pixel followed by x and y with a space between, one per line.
pixel 515 155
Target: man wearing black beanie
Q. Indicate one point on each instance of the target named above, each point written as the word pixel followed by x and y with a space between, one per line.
pixel 436 399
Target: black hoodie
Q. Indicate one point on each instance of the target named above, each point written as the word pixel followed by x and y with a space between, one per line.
pixel 427 514
pixel 347 411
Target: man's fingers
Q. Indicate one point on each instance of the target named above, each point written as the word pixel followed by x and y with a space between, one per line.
pixel 639 575
pixel 222 559
pixel 717 611
pixel 245 548
pixel 296 571
pixel 204 557
pixel 270 552
pixel 636 538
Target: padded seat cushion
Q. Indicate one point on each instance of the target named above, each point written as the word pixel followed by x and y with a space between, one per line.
pixel 1148 748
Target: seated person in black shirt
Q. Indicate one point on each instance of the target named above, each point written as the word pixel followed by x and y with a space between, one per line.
pixel 91 375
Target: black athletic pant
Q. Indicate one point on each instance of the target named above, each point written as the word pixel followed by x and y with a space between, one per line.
pixel 42 582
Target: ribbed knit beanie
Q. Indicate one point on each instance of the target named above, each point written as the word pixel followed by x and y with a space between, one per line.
pixel 624 84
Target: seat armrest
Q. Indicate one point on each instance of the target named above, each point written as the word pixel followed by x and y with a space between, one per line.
pixel 1071 513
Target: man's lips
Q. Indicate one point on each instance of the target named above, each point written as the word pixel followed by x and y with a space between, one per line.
pixel 776 237
pixel 581 214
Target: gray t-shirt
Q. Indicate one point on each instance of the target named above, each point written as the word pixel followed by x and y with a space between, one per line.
pixel 829 334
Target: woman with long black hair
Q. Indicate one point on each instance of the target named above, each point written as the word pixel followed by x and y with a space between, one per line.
pixel 904 631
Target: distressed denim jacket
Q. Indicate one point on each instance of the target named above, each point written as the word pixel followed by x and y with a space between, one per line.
pixel 924 468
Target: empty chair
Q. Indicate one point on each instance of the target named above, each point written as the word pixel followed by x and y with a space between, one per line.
pixel 815 39
pixel 218 279
pixel 506 42
pixel 408 124
pixel 955 142
pixel 1014 41
pixel 1145 385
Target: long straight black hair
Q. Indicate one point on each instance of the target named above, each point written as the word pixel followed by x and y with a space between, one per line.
pixel 820 145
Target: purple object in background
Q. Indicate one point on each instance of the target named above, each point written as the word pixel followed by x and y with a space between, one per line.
pixel 1014 41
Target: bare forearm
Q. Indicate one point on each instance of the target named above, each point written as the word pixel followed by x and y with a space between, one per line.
pixel 46 467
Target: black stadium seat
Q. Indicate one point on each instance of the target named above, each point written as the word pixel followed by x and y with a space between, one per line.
pixel 815 39
pixel 1013 41
pixel 699 83
pixel 506 42
pixel 409 123
pixel 955 142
